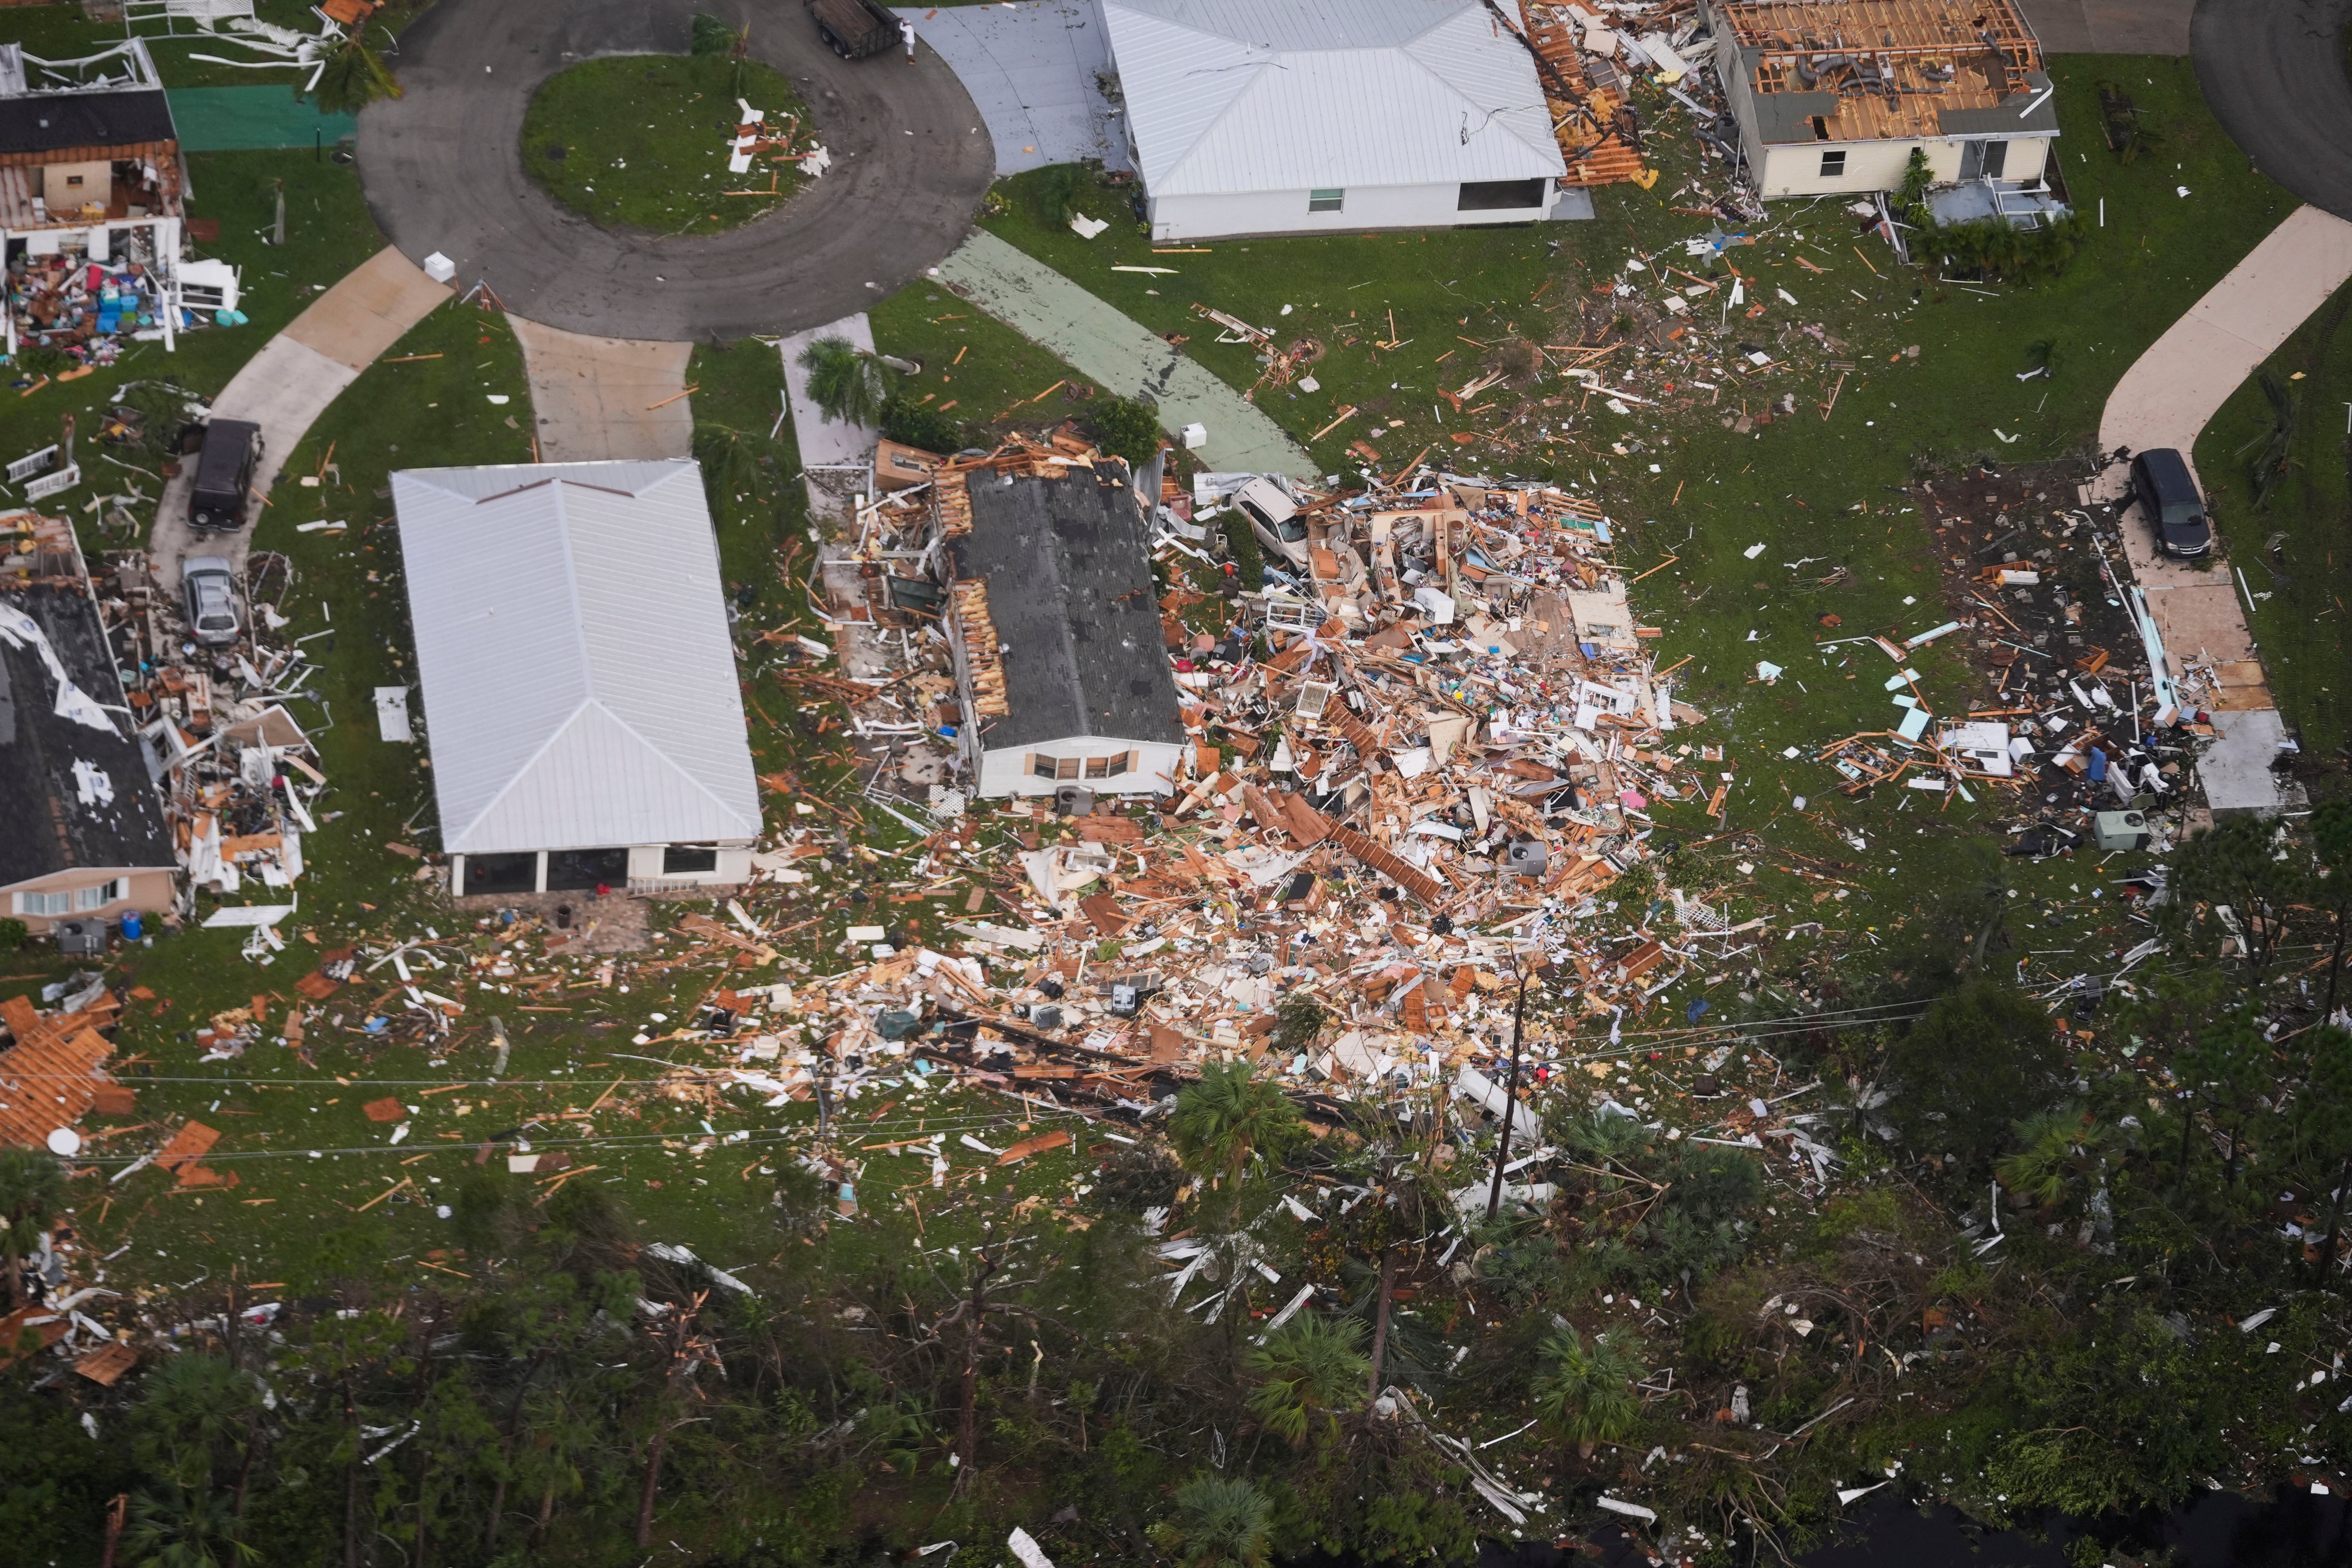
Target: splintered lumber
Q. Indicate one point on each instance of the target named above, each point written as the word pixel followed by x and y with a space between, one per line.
pixel 952 502
pixel 983 664
pixel 50 1079
pixel 1422 887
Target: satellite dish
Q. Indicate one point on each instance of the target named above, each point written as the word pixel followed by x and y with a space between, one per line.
pixel 66 1142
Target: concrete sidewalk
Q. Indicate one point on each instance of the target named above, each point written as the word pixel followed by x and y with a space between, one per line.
pixel 598 399
pixel 1120 354
pixel 289 383
pixel 835 456
pixel 2166 399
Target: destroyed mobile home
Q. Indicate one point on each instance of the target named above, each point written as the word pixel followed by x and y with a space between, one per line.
pixel 189 774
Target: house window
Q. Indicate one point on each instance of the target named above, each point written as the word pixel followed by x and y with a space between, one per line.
pixel 1067 768
pixel 1494 195
pixel 1327 201
pixel 99 897
pixel 1833 165
pixel 687 859
pixel 1109 767
pixel 515 873
pixel 44 903
pixel 1042 767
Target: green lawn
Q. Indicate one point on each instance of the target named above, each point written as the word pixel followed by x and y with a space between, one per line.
pixel 641 142
pixel 2286 546
pixel 975 368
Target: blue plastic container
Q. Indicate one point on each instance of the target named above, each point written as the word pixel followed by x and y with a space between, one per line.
pixel 131 925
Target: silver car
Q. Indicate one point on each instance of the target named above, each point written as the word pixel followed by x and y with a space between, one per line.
pixel 210 587
pixel 1274 520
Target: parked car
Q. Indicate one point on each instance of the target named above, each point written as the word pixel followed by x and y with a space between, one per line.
pixel 223 475
pixel 1274 521
pixel 2166 492
pixel 854 28
pixel 209 585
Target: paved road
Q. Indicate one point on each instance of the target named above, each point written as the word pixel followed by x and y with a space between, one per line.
pixel 2110 27
pixel 443 171
pixel 2273 74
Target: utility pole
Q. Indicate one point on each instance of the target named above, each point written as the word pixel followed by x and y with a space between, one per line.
pixel 1510 1092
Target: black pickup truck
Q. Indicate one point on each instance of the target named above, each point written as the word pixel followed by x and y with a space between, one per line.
pixel 854 28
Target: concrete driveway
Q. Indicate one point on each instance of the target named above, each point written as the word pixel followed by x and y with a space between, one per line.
pixel 1035 68
pixel 601 399
pixel 288 385
pixel 442 167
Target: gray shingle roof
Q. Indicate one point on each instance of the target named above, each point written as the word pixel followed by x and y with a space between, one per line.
pixel 1068 567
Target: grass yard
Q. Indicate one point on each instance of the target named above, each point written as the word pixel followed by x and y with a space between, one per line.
pixel 641 142
pixel 1816 492
pixel 976 370
pixel 2286 545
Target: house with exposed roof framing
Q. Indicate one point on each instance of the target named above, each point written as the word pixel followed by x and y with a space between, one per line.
pixel 580 691
pixel 1833 96
pixel 1306 116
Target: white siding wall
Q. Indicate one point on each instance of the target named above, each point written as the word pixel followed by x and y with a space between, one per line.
pixel 646 866
pixel 1795 168
pixel 1151 772
pixel 1178 218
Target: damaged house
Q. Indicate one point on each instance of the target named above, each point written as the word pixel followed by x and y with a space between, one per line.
pixel 578 678
pixel 82 835
pixel 1305 116
pixel 91 188
pixel 1835 96
pixel 1055 627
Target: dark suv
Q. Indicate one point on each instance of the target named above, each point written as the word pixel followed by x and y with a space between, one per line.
pixel 224 483
pixel 2161 483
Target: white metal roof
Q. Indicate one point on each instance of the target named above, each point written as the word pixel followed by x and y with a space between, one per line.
pixel 1227 96
pixel 579 681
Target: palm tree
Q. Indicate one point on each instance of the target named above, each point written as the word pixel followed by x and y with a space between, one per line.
pixel 2058 1145
pixel 1585 1392
pixel 846 382
pixel 196 1406
pixel 1229 1116
pixel 1219 1521
pixel 32 1190
pixel 1312 1368
pixel 351 78
pixel 183 1527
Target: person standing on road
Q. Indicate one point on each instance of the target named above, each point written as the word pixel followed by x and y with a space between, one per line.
pixel 906 31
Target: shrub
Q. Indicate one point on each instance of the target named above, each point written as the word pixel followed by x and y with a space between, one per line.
pixel 913 423
pixel 13 934
pixel 1126 427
